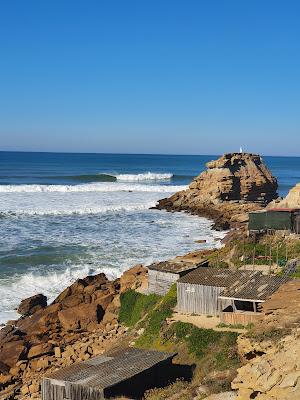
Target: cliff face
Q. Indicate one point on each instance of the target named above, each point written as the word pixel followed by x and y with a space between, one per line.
pixel 273 351
pixel 234 184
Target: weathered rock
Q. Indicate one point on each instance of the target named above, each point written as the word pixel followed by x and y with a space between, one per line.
pixel 232 185
pixel 40 350
pixel 79 317
pixel 272 352
pixel 4 368
pixel 32 304
pixel 11 352
pixel 133 278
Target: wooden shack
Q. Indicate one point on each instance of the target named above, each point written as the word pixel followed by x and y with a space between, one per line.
pixel 162 275
pixel 275 219
pixel 127 372
pixel 245 295
pixel 198 291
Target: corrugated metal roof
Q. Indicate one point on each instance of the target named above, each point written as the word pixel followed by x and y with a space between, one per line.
pixel 220 277
pixel 110 368
pixel 258 287
pixel 175 267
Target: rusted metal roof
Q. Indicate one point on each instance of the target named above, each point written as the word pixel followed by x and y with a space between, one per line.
pixel 176 267
pixel 220 277
pixel 111 368
pixel 258 287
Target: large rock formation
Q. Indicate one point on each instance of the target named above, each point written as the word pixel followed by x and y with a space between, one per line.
pixel 232 185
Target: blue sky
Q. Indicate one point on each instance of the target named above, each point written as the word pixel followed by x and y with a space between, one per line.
pixel 150 76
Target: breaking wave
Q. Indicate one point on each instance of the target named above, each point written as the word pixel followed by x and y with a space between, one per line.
pixel 91 187
pixel 148 176
pixel 79 210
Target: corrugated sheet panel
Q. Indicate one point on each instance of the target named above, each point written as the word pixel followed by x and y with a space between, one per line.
pixel 105 371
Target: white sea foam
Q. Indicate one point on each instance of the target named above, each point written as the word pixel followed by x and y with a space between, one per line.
pixel 103 244
pixel 73 210
pixel 90 187
pixel 147 176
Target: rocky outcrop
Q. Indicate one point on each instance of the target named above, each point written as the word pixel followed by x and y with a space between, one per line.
pixel 272 352
pixel 32 304
pixel 231 186
pixel 80 323
pixel 292 200
pixel 274 374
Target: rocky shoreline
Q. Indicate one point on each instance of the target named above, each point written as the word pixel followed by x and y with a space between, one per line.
pixel 227 191
pixel 83 320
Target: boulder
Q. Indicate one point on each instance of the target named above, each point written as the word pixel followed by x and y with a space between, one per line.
pixel 80 317
pixel 11 352
pixel 32 304
pixel 40 350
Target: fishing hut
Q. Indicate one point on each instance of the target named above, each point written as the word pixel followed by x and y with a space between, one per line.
pixel 163 274
pixel 128 372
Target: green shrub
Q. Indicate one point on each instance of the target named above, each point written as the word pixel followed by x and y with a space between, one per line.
pixel 135 305
pixel 220 347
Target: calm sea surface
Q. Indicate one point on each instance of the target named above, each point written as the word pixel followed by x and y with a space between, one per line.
pixel 64 216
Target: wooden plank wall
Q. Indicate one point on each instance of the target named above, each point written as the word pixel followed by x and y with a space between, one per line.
pixel 69 391
pixel 240 318
pixel 200 299
pixel 160 282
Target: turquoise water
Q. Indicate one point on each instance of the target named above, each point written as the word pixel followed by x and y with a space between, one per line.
pixel 64 216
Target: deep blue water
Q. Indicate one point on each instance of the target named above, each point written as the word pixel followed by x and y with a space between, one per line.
pixel 71 169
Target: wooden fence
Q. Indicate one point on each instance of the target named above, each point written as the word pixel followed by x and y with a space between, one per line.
pixel 240 317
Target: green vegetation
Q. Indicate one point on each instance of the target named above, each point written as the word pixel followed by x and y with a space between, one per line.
pixel 296 274
pixel 219 346
pixel 157 317
pixel 135 305
pixel 269 250
pixel 212 353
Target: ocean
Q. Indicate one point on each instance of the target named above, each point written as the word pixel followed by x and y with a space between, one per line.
pixel 64 216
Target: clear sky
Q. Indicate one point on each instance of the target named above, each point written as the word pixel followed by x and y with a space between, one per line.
pixel 150 76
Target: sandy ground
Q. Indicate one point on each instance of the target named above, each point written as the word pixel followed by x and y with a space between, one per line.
pixel 202 321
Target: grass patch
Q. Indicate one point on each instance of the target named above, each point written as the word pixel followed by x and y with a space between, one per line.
pixel 219 347
pixel 135 305
pixel 157 317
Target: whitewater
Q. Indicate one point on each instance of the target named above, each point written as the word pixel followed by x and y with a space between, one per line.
pixel 53 234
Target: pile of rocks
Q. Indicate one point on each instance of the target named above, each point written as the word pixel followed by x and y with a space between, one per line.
pixel 80 323
pixel 231 186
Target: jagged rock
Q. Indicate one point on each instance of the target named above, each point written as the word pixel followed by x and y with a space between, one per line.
pixel 231 186
pixel 40 350
pixel 81 316
pixel 32 304
pixel 10 352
